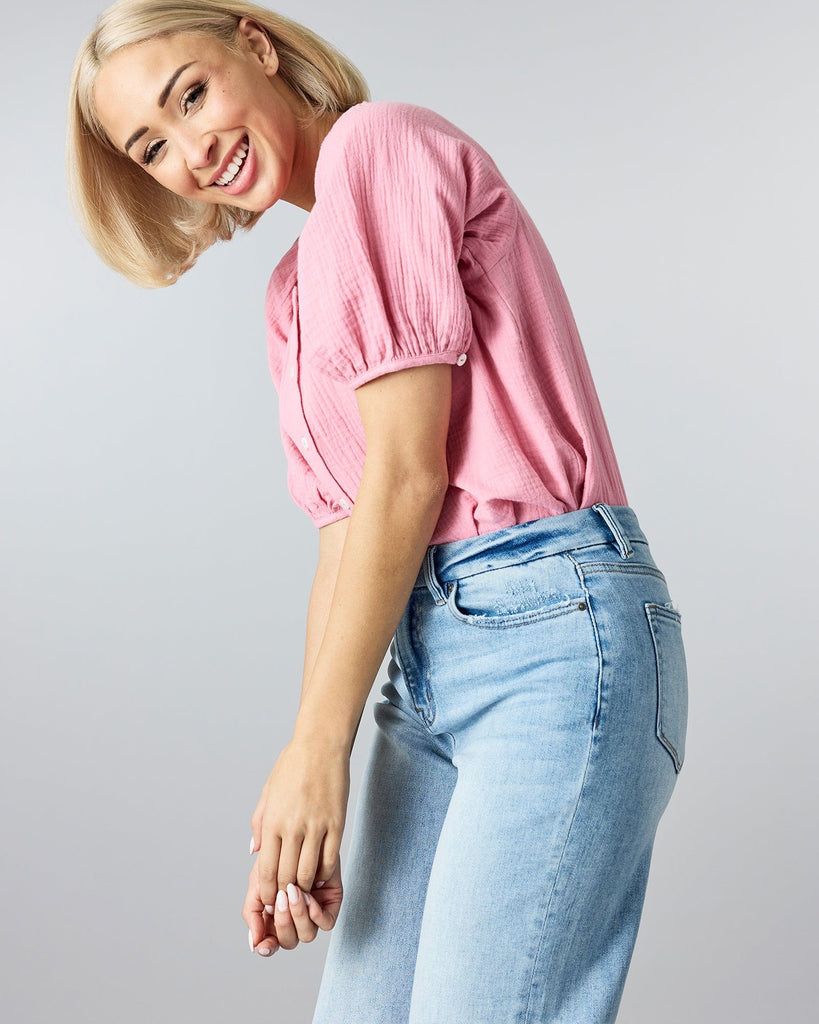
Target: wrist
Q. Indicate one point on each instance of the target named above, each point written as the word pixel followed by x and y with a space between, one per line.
pixel 332 734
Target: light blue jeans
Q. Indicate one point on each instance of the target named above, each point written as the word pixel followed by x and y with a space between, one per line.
pixel 531 733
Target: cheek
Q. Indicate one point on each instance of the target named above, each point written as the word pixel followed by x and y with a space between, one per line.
pixel 174 177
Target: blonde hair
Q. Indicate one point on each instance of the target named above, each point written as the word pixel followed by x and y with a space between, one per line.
pixel 137 226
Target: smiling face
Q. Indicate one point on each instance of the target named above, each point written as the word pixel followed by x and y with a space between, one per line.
pixel 210 124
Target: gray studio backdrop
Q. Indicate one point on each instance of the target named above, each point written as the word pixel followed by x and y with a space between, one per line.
pixel 155 572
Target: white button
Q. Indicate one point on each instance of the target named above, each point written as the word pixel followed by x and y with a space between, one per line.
pixel 344 504
pixel 462 359
pixel 305 443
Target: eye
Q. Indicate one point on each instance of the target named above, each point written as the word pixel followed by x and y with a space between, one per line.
pixel 152 152
pixel 193 96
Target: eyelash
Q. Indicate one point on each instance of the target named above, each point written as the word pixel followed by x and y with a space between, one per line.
pixel 189 99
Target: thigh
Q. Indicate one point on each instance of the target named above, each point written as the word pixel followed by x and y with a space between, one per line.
pixel 401 806
pixel 537 884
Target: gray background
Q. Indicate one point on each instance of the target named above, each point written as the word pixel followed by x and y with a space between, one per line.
pixel 155 572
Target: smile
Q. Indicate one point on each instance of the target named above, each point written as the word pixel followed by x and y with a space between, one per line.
pixel 235 165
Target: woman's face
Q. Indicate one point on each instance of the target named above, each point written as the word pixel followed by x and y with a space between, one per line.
pixel 207 123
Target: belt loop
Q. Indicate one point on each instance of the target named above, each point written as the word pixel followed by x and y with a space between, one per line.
pixel 620 539
pixel 430 578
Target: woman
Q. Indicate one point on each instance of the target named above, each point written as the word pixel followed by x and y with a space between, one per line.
pixel 443 432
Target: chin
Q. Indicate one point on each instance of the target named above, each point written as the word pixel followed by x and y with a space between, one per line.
pixel 260 205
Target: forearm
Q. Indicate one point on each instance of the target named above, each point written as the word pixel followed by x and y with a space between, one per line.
pixel 331 544
pixel 387 535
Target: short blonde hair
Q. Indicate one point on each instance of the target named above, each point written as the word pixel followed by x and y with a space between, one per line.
pixel 137 226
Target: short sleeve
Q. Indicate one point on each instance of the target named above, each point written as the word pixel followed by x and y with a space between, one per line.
pixel 379 284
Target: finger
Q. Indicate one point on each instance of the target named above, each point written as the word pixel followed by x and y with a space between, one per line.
pixel 323 915
pixel 306 929
pixel 309 860
pixel 256 822
pixel 289 857
pixel 268 867
pixel 328 860
pixel 270 943
pixel 326 901
pixel 283 922
pixel 261 935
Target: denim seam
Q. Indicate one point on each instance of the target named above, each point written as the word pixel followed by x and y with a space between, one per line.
pixel 661 611
pixel 581 574
pixel 417 657
pixel 566 838
pixel 423 662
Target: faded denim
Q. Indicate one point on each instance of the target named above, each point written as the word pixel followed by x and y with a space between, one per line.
pixel 531 733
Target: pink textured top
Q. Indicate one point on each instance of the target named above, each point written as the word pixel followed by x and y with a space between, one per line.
pixel 417 251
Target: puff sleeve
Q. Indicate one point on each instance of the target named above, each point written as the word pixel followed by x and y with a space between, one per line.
pixel 380 288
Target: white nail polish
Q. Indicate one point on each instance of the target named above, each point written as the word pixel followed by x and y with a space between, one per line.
pixel 308 898
pixel 252 844
pixel 269 909
pixel 250 940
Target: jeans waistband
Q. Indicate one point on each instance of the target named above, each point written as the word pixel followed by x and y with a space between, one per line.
pixel 598 524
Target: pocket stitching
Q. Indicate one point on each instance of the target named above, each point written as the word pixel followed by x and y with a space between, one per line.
pixel 638 568
pixel 661 611
pixel 514 619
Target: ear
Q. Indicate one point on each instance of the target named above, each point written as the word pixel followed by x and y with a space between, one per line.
pixel 254 39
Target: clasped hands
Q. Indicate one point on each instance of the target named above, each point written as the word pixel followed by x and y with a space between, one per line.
pixel 295 883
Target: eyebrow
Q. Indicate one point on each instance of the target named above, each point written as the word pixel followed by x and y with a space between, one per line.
pixel 166 92
pixel 163 99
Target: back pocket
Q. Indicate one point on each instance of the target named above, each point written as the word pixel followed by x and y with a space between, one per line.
pixel 672 679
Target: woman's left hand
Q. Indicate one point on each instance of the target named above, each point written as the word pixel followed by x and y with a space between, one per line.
pixel 299 819
pixel 284 927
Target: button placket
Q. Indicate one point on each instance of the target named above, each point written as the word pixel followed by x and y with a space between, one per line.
pixel 300 430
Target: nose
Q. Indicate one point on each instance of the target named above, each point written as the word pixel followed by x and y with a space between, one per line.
pixel 197 150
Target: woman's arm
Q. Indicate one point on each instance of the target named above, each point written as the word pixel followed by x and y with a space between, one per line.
pixel 276 927
pixel 331 544
pixel 405 416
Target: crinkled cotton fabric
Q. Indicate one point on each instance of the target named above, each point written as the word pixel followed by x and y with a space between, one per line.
pixel 417 251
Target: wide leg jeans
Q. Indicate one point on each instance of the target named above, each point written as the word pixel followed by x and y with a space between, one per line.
pixel 529 738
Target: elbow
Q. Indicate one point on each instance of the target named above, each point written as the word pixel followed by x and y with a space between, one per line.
pixel 417 483
pixel 424 485
pixel 439 485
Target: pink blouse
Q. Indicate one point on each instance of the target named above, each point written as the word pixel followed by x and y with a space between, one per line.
pixel 417 251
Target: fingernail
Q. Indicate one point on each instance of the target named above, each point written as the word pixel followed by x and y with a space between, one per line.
pixel 293 893
pixel 319 884
pixel 308 898
pixel 266 951
pixel 268 909
pixel 250 940
pixel 252 844
pixel 281 899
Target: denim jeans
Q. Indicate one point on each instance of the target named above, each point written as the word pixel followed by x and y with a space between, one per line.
pixel 530 736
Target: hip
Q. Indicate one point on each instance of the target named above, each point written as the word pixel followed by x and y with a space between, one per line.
pixel 568 618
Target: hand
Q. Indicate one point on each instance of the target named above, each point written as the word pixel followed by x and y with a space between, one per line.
pixel 299 819
pixel 298 922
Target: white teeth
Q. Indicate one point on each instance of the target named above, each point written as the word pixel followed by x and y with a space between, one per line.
pixel 233 167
